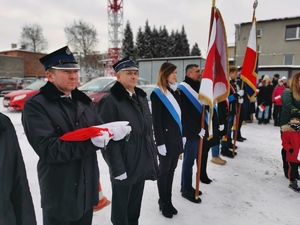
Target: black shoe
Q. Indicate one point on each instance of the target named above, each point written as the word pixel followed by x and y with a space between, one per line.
pixel 226 152
pixel 190 196
pixel 165 210
pixel 294 186
pixel 239 140
pixel 243 138
pixel 173 210
pixel 193 190
pixel 205 180
pixel 231 146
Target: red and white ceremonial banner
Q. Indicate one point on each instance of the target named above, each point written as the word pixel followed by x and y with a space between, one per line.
pixel 261 107
pixel 250 67
pixel 214 86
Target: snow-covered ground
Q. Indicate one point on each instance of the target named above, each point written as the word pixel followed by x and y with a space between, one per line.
pixel 250 189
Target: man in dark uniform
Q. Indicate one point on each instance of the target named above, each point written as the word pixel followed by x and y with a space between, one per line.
pixel 16 205
pixel 68 171
pixel 134 160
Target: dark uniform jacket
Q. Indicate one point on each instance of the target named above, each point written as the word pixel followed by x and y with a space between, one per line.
pixel 136 155
pixel 191 117
pixel 68 171
pixel 16 207
pixel 166 129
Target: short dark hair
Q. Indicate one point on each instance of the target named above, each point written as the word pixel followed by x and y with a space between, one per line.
pixel 190 66
pixel 276 75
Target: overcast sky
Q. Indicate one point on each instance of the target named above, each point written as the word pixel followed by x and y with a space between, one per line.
pixel 54 15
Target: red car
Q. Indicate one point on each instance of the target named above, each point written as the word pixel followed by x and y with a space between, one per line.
pixel 15 100
pixel 100 86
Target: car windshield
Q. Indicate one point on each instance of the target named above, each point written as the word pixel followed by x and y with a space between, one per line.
pixel 96 85
pixel 36 85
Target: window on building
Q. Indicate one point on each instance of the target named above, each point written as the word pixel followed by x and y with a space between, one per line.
pixel 259 48
pixel 288 59
pixel 259 32
pixel 292 32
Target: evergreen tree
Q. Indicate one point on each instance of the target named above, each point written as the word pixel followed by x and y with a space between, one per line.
pixel 171 44
pixel 128 46
pixel 195 50
pixel 185 47
pixel 140 44
pixel 163 42
pixel 155 43
pixel 178 46
pixel 147 40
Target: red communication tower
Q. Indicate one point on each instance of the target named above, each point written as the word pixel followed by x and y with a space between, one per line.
pixel 115 34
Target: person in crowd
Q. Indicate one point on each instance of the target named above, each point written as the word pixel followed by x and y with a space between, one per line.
pixel 275 80
pixel 191 110
pixel 290 142
pixel 219 129
pixel 276 99
pixel 235 96
pixel 166 113
pixel 290 103
pixel 264 100
pixel 68 171
pixel 16 202
pixel 285 81
pixel 243 104
pixel 133 160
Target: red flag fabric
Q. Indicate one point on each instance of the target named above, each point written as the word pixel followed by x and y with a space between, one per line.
pixel 261 107
pixel 84 134
pixel 215 83
pixel 250 67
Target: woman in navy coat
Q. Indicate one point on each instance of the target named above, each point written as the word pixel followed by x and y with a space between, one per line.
pixel 166 114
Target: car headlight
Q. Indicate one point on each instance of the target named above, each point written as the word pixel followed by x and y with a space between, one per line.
pixel 19 97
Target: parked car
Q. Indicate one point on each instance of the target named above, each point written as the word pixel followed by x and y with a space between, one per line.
pixel 100 86
pixel 148 88
pixel 7 84
pixel 23 82
pixel 15 100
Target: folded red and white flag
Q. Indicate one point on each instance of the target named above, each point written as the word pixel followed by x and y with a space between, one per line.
pixel 277 98
pixel 84 134
pixel 257 91
pixel 261 107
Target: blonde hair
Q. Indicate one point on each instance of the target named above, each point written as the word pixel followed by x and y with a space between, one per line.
pixel 164 72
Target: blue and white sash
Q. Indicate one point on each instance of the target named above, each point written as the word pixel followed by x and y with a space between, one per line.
pixel 191 94
pixel 171 104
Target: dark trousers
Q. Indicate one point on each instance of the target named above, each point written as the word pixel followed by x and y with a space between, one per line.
pixel 293 171
pixel 277 114
pixel 126 203
pixel 167 165
pixel 86 219
pixel 284 162
pixel 189 156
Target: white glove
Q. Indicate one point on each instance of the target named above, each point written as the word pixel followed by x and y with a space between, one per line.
pixel 121 177
pixel 101 141
pixel 162 150
pixel 202 133
pixel 221 127
pixel 119 132
pixel 183 141
pixel 240 100
pixel 240 92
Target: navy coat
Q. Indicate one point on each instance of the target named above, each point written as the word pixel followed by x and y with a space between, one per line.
pixel 136 154
pixel 16 207
pixel 68 171
pixel 166 129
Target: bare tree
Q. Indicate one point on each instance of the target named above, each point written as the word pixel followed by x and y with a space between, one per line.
pixel 32 38
pixel 81 36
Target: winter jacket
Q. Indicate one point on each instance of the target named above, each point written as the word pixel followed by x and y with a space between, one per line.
pixel 68 171
pixel 277 92
pixel 290 140
pixel 136 155
pixel 265 95
pixel 190 116
pixel 16 207
pixel 166 129
pixel 289 103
